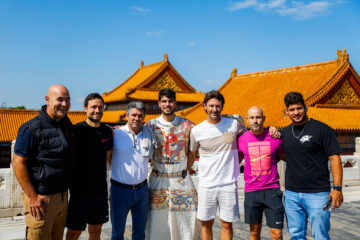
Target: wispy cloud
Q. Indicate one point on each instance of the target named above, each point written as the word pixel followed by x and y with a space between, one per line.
pixel 191 43
pixel 212 82
pixel 306 11
pixel 157 33
pixel 140 9
pixel 298 10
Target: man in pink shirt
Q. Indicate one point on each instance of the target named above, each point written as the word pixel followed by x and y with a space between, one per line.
pixel 262 188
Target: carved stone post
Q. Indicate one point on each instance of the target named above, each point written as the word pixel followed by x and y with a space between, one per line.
pixel 357 146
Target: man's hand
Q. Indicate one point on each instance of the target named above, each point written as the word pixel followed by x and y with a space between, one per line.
pixel 337 199
pixel 36 205
pixel 274 132
pixel 337 172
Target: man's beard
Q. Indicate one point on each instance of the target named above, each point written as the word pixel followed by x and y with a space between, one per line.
pixel 94 120
pixel 168 113
pixel 258 128
pixel 215 116
pixel 301 120
pixel 57 116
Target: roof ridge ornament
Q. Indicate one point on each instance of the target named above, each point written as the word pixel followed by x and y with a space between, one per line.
pixel 233 72
pixel 166 57
pixel 141 63
pixel 342 56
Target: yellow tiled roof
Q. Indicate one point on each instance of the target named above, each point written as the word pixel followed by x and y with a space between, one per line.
pixel 136 86
pixel 12 119
pixel 153 95
pixel 268 88
pixel 150 117
pixel 342 120
pixel 143 73
pixel 196 113
pixel 120 116
pixel 113 116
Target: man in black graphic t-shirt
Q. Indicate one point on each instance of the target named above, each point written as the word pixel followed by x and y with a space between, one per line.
pixel 88 192
pixel 309 145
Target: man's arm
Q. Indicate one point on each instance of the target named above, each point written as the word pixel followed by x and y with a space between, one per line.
pixel 35 200
pixel 337 173
pixel 241 157
pixel 108 157
pixel 191 159
pixel 109 151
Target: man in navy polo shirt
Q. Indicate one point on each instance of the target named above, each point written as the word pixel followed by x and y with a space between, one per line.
pixel 42 162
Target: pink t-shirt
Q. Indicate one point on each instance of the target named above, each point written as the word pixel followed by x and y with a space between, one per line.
pixel 260 151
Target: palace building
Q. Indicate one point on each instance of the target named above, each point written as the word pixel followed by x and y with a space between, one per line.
pixel 331 91
pixel 144 85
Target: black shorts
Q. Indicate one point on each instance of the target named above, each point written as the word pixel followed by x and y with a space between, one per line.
pixel 268 200
pixel 84 210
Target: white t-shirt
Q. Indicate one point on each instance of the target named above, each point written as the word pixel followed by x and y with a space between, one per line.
pixel 219 161
pixel 128 165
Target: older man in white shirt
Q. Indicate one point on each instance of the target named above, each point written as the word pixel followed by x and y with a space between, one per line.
pixel 133 145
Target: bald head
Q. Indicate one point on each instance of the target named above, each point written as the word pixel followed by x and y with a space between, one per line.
pixel 55 89
pixel 57 101
pixel 254 109
pixel 255 119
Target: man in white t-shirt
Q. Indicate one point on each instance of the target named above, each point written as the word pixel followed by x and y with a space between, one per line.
pixel 215 139
pixel 133 146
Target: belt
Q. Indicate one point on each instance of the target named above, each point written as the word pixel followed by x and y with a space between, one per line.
pixel 123 185
pixel 181 174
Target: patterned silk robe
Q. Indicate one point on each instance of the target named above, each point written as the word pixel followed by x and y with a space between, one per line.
pixel 173 201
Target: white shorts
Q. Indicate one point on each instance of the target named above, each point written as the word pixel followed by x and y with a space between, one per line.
pixel 224 196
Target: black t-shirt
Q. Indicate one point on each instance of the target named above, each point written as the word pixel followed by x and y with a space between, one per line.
pixel 90 165
pixel 307 149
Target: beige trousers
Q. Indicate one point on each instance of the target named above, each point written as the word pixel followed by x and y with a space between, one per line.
pixel 51 227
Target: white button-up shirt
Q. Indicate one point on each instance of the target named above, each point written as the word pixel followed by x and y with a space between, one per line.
pixel 128 165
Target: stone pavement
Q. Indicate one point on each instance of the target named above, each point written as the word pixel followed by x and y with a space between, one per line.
pixel 344 223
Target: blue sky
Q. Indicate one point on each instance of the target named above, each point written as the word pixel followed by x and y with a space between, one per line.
pixel 93 46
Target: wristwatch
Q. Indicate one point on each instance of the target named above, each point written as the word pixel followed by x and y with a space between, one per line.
pixel 337 187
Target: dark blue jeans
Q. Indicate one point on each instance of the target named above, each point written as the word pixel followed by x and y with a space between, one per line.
pixel 122 200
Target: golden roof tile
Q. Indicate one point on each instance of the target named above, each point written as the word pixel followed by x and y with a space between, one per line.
pixel 148 94
pixel 113 116
pixel 143 80
pixel 12 119
pixel 317 82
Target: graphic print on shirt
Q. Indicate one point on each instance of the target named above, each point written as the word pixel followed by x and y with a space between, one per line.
pixel 172 140
pixel 260 158
pixel 305 138
pixel 228 137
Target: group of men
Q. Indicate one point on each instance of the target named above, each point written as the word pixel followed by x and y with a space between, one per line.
pixel 52 156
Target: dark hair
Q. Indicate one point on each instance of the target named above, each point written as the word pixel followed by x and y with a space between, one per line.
pixel 92 96
pixel 293 98
pixel 214 94
pixel 167 92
